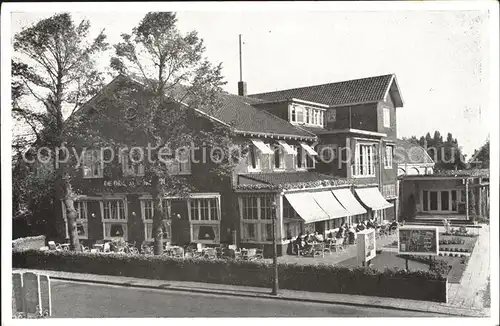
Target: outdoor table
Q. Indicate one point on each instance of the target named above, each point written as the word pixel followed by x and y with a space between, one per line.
pixel 65 246
pixel 98 246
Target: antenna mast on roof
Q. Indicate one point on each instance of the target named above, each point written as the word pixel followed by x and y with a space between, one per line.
pixel 241 63
pixel 242 86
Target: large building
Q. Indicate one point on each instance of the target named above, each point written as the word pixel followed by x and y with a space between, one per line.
pixel 286 170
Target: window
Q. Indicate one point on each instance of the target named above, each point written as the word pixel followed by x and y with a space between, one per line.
pixel 302 160
pixel 364 164
pixel 300 114
pixel 180 164
pixel 147 210
pixel 92 164
pixel 205 219
pixel 278 159
pixel 294 114
pixel 82 223
pixel 256 214
pixel 292 222
pixel 321 118
pixel 253 159
pixel 114 218
pixel 132 167
pixel 204 209
pixel 308 113
pixel 389 154
pixel 331 115
pixel 387 117
pixel 440 200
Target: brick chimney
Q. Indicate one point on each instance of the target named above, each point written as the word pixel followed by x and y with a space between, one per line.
pixel 242 88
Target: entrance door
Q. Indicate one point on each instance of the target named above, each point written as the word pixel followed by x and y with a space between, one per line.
pixel 180 222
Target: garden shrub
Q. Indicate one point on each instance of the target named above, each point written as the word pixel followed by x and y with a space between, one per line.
pixel 418 285
pixel 35 242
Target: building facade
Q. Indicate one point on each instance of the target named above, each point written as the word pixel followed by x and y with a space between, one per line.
pixel 317 158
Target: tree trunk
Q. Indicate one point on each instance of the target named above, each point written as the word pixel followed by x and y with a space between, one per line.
pixel 65 196
pixel 63 193
pixel 157 216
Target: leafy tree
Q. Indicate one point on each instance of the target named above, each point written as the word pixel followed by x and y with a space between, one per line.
pixel 447 155
pixel 172 72
pixel 54 67
pixel 481 157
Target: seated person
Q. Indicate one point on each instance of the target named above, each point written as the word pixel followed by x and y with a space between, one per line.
pixel 318 237
pixel 360 227
pixel 340 233
pixel 394 224
pixel 371 224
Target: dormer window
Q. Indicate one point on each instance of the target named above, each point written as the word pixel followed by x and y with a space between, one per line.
pixel 307 115
pixel 300 114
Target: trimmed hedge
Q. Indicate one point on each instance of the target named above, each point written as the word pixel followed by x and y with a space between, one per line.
pixel 35 242
pixel 417 285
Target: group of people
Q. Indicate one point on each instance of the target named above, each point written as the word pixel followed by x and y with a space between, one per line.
pixel 346 231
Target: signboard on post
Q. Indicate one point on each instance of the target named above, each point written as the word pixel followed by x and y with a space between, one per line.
pixel 418 240
pixel 366 245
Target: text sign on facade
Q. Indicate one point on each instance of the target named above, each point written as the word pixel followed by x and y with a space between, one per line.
pixel 366 245
pixel 418 240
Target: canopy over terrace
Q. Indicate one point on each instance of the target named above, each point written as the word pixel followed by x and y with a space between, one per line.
pixel 308 193
pixel 372 198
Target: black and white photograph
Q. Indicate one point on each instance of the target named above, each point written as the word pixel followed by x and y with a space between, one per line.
pixel 249 160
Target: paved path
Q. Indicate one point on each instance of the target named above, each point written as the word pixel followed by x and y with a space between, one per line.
pixel 264 293
pixel 469 293
pixel 335 257
pixel 83 300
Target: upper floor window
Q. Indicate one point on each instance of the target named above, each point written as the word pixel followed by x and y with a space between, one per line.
pixel 92 164
pixel 389 154
pixel 278 159
pixel 132 166
pixel 300 114
pixel 179 162
pixel 364 161
pixel 387 117
pixel 331 115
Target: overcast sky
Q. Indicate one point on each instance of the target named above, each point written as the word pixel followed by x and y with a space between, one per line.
pixel 440 58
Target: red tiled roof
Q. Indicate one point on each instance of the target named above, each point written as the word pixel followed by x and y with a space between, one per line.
pixel 364 90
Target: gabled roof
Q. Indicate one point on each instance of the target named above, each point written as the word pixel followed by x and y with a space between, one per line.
pixel 235 111
pixel 409 153
pixel 350 92
pixel 238 112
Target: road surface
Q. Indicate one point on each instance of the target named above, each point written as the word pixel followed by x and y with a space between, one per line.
pixel 74 299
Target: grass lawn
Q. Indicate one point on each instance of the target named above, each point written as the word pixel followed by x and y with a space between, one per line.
pixel 391 260
pixel 386 259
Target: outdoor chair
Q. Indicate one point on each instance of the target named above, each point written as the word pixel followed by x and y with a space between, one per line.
pixel 177 252
pixel 53 246
pixel 318 249
pixel 329 246
pixel 210 253
pixel 259 254
pixel 339 244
